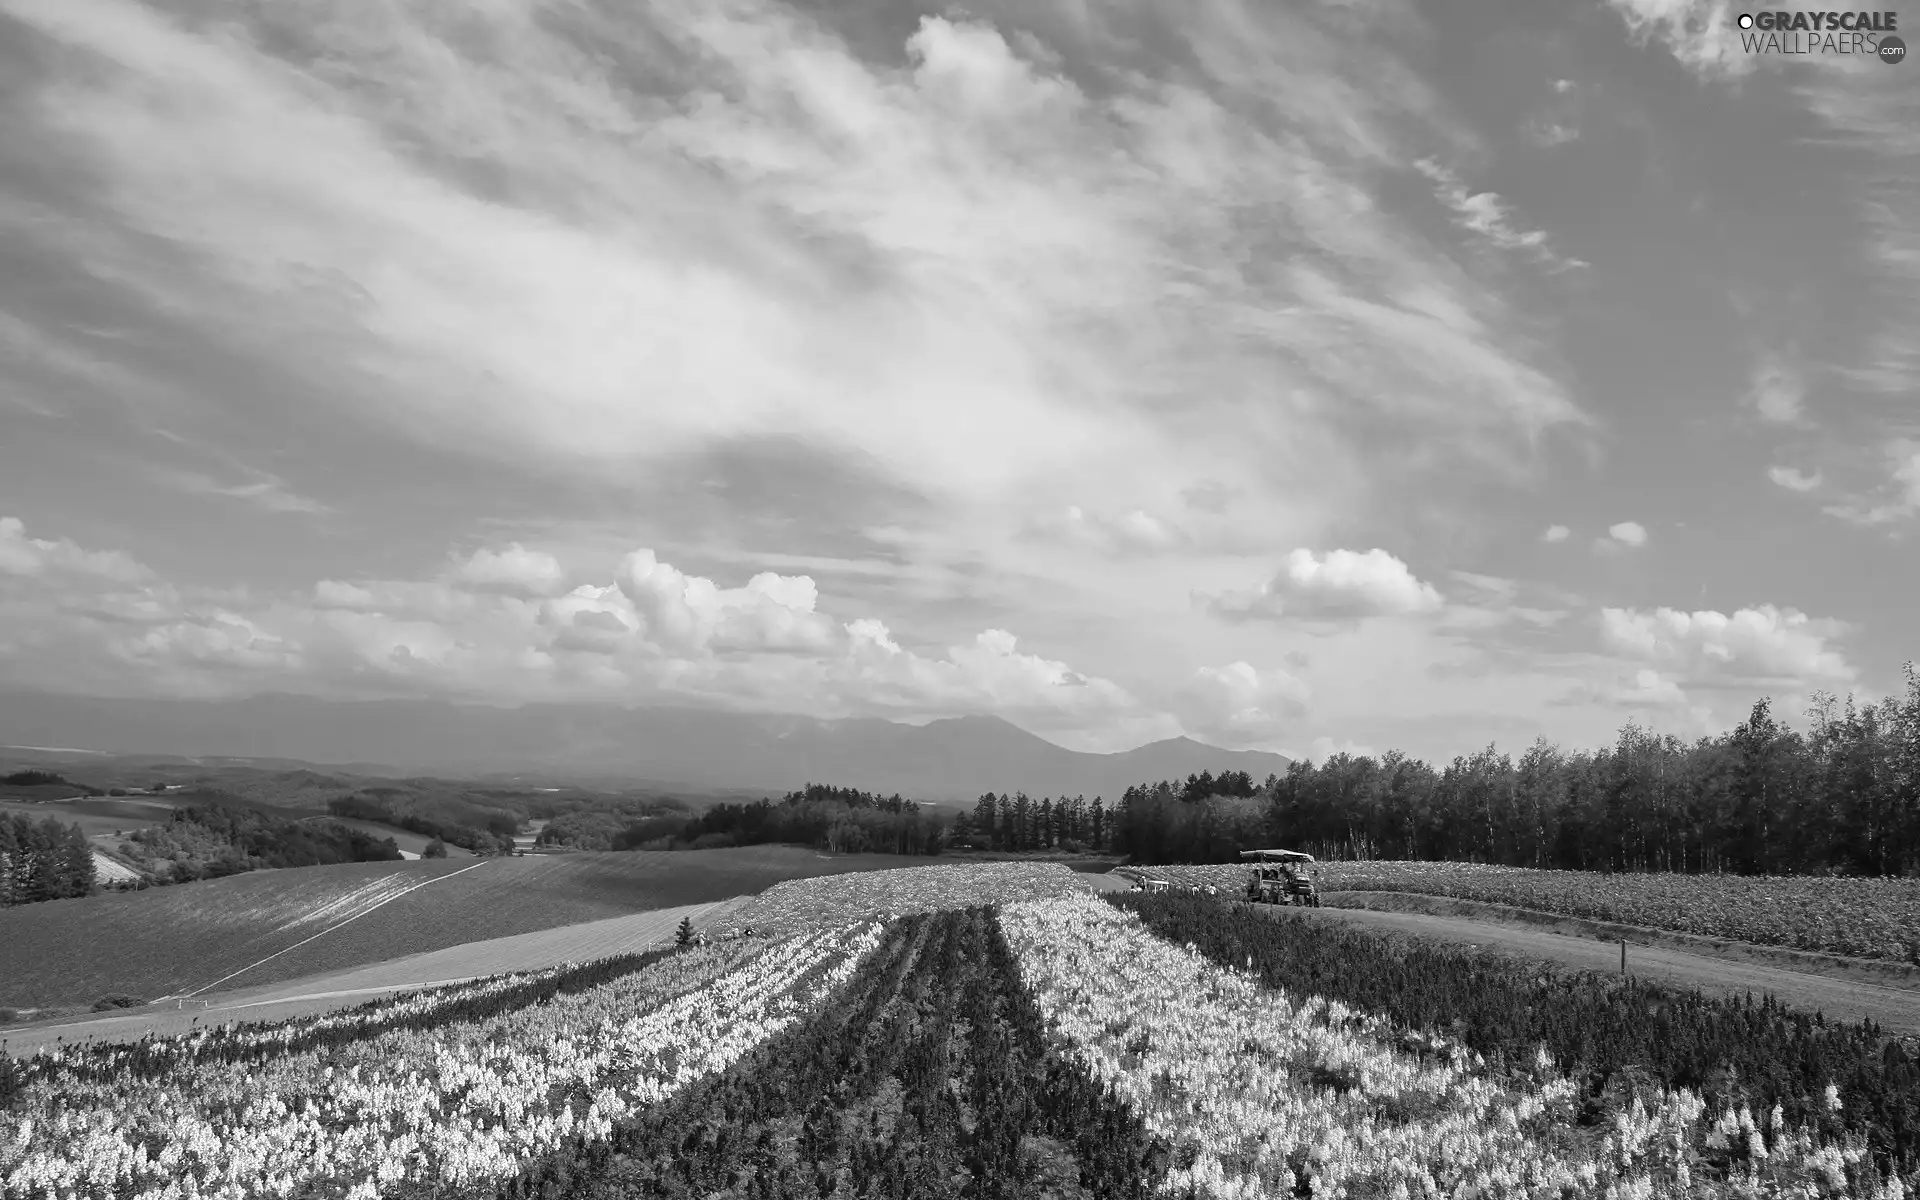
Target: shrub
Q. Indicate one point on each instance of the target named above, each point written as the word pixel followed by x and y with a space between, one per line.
pixel 434 849
pixel 115 1000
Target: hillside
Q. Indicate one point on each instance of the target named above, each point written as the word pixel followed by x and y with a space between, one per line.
pixel 682 749
pixel 305 920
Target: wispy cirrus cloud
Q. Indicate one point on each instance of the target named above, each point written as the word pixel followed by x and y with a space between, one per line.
pixel 502 242
pixel 269 493
pixel 1492 218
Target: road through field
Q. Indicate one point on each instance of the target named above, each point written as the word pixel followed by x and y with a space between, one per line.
pixel 345 989
pixel 1896 1008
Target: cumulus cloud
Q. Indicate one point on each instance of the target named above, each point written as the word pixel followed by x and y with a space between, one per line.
pixel 514 571
pixel 1629 535
pixel 1341 586
pixel 1238 705
pixel 1778 391
pixel 653 634
pixel 1761 646
pixel 1794 479
pixel 1701 34
pixel 680 612
pixel 21 555
pixel 1556 533
pixel 334 593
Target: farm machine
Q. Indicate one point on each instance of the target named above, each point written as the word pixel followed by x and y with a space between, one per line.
pixel 1280 877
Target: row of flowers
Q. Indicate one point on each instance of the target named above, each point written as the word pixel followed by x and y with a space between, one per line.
pixel 1262 1091
pixel 1867 918
pixel 829 900
pixel 461 1102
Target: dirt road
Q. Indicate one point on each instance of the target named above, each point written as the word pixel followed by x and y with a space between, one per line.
pixel 345 989
pixel 1897 1008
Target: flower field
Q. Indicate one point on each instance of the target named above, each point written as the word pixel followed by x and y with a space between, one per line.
pixel 931 1075
pixel 1050 1043
pixel 1864 918
pixel 461 1102
pixel 836 899
pixel 1266 1093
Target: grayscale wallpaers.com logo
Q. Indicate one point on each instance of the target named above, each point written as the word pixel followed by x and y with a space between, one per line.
pixel 1823 33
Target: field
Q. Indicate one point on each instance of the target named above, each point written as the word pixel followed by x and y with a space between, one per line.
pixel 314 994
pixel 1043 1043
pixel 103 815
pixel 1861 918
pixel 268 926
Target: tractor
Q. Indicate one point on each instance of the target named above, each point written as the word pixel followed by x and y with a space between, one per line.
pixel 1280 877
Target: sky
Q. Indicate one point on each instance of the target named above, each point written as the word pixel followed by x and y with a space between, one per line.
pixel 1303 377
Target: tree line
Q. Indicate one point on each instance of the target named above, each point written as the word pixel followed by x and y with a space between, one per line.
pixel 42 860
pixel 1841 798
pixel 211 840
pixel 841 819
pixel 483 831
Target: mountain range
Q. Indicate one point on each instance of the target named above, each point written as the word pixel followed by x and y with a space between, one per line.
pixel 952 760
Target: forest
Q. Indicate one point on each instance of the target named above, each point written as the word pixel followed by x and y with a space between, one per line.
pixel 42 860
pixel 841 819
pixel 213 839
pixel 483 831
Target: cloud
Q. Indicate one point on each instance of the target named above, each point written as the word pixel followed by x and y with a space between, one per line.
pixel 514 571
pixel 1763 646
pixel 1486 214
pixel 1238 706
pixel 1627 532
pixel 1701 34
pixel 1644 688
pixel 1794 479
pixel 1549 134
pixel 1133 533
pixel 266 492
pixel 1778 391
pixel 1556 533
pixel 1000 274
pixel 1324 748
pixel 333 593
pixel 1341 586
pixel 653 634
pixel 21 555
pixel 1903 466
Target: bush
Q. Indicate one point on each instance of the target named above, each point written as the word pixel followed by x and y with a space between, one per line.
pixel 9 1015
pixel 434 849
pixel 115 1000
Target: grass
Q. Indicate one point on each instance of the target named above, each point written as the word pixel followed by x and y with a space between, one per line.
pixel 166 941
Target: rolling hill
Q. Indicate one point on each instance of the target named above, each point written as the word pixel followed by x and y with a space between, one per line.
pixel 952 760
pixel 247 930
